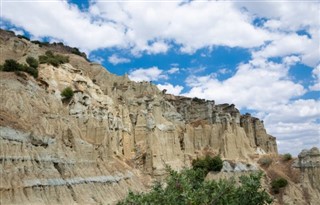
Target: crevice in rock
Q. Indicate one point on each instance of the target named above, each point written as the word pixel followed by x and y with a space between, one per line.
pixel 58 167
pixel 73 194
pixel 37 142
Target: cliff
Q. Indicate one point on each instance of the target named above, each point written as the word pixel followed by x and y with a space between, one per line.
pixel 112 136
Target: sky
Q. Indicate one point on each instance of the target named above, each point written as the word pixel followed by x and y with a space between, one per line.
pixel 262 56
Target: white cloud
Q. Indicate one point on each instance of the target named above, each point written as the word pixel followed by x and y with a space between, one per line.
pixel 114 59
pixel 64 21
pixel 284 15
pixel 294 112
pixel 284 19
pixel 316 76
pixel 151 27
pixel 147 74
pixel 256 85
pixel 171 89
pixel 157 47
pixel 293 137
pixel 173 70
pixel 141 26
pixel 285 45
pixel 96 59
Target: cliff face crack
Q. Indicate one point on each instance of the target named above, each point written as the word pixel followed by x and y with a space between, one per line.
pixel 73 194
pixel 37 142
pixel 59 168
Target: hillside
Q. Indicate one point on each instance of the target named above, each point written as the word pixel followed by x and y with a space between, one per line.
pixel 114 134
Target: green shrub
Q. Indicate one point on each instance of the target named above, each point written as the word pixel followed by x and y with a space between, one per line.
pixel 32 71
pixel 52 59
pixel 67 93
pixel 265 161
pixel 287 157
pixel 208 164
pixel 277 184
pixel 11 65
pixel 189 187
pixel 32 62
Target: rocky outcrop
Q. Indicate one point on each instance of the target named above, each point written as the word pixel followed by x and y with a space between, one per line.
pixel 309 164
pixel 109 137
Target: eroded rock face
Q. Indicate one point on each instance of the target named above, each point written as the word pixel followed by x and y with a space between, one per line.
pixel 309 164
pixel 79 151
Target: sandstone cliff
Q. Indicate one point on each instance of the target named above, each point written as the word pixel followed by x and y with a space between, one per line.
pixel 110 137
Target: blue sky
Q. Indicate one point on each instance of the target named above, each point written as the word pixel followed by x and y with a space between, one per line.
pixel 262 56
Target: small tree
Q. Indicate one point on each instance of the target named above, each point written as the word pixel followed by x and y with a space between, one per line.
pixel 32 62
pixel 277 184
pixel 287 157
pixel 67 93
pixel 208 164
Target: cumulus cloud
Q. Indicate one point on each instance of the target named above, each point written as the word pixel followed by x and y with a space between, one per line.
pixel 147 74
pixel 173 70
pixel 150 27
pixel 140 26
pixel 171 89
pixel 65 22
pixel 256 85
pixel 316 76
pixel 114 59
pixel 285 45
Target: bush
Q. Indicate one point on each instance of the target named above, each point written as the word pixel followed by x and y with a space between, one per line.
pixel 32 71
pixel 189 187
pixel 32 62
pixel 287 157
pixel 208 164
pixel 11 65
pixel 265 161
pixel 67 93
pixel 52 59
pixel 277 184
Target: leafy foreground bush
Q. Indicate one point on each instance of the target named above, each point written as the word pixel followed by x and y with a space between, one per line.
pixel 189 188
pixel 13 66
pixel 67 93
pixel 208 164
pixel 277 184
pixel 52 59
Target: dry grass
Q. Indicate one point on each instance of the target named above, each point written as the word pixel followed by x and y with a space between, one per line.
pixel 280 168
